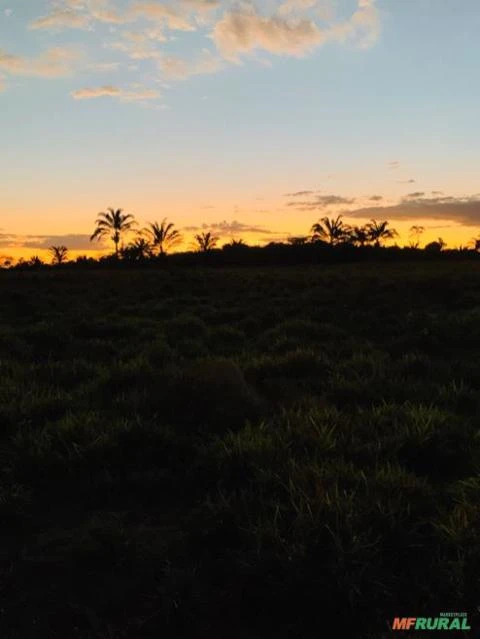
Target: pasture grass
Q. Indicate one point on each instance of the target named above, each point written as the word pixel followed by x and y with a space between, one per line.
pixel 238 453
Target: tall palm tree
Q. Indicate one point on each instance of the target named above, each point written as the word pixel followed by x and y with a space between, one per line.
pixel 205 242
pixel 59 254
pixel 330 230
pixel 113 223
pixel 379 232
pixel 163 236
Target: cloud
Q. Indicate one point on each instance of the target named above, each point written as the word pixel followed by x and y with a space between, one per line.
pixel 376 198
pixel 291 6
pixel 7 240
pixel 410 181
pixel 462 210
pixel 321 202
pixel 174 67
pixel 394 164
pixel 104 67
pixel 228 228
pixel 244 29
pixel 99 92
pixel 173 18
pixel 74 242
pixel 136 94
pixel 236 28
pixel 299 194
pixel 416 194
pixel 53 63
pixel 62 19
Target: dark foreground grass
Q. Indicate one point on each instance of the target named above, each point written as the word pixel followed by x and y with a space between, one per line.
pixel 245 453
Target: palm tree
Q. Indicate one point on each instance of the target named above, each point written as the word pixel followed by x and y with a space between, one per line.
pixel 113 223
pixel 378 232
pixel 359 235
pixel 330 230
pixel 163 236
pixel 59 254
pixel 415 233
pixel 205 242
pixel 137 250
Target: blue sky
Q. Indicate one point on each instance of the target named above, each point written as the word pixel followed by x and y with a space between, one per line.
pixel 211 112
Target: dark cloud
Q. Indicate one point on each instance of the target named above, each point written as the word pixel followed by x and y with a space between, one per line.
pixel 462 210
pixel 376 198
pixel 321 202
pixel 410 181
pixel 74 242
pixel 225 228
pixel 299 194
pixel 417 194
pixel 6 239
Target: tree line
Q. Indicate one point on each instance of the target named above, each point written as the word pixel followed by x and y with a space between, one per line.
pixel 156 240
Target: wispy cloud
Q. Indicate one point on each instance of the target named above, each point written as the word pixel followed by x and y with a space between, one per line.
pixel 321 202
pixel 174 67
pixel 299 194
pixel 229 228
pixel 53 63
pixel 62 19
pixel 125 95
pixel 73 241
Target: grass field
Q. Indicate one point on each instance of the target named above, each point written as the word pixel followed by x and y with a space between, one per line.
pixel 238 453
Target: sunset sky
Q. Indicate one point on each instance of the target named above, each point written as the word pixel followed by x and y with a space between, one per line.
pixel 252 118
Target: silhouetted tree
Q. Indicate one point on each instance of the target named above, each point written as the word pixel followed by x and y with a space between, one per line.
pixel 331 230
pixel 205 242
pixel 6 261
pixel 298 241
pixel 379 232
pixel 59 254
pixel 163 236
pixel 235 244
pixel 475 244
pixel 137 250
pixel 414 234
pixel 113 223
pixel 436 246
pixel 359 235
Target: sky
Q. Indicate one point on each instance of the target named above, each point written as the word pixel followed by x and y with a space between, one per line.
pixel 251 118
